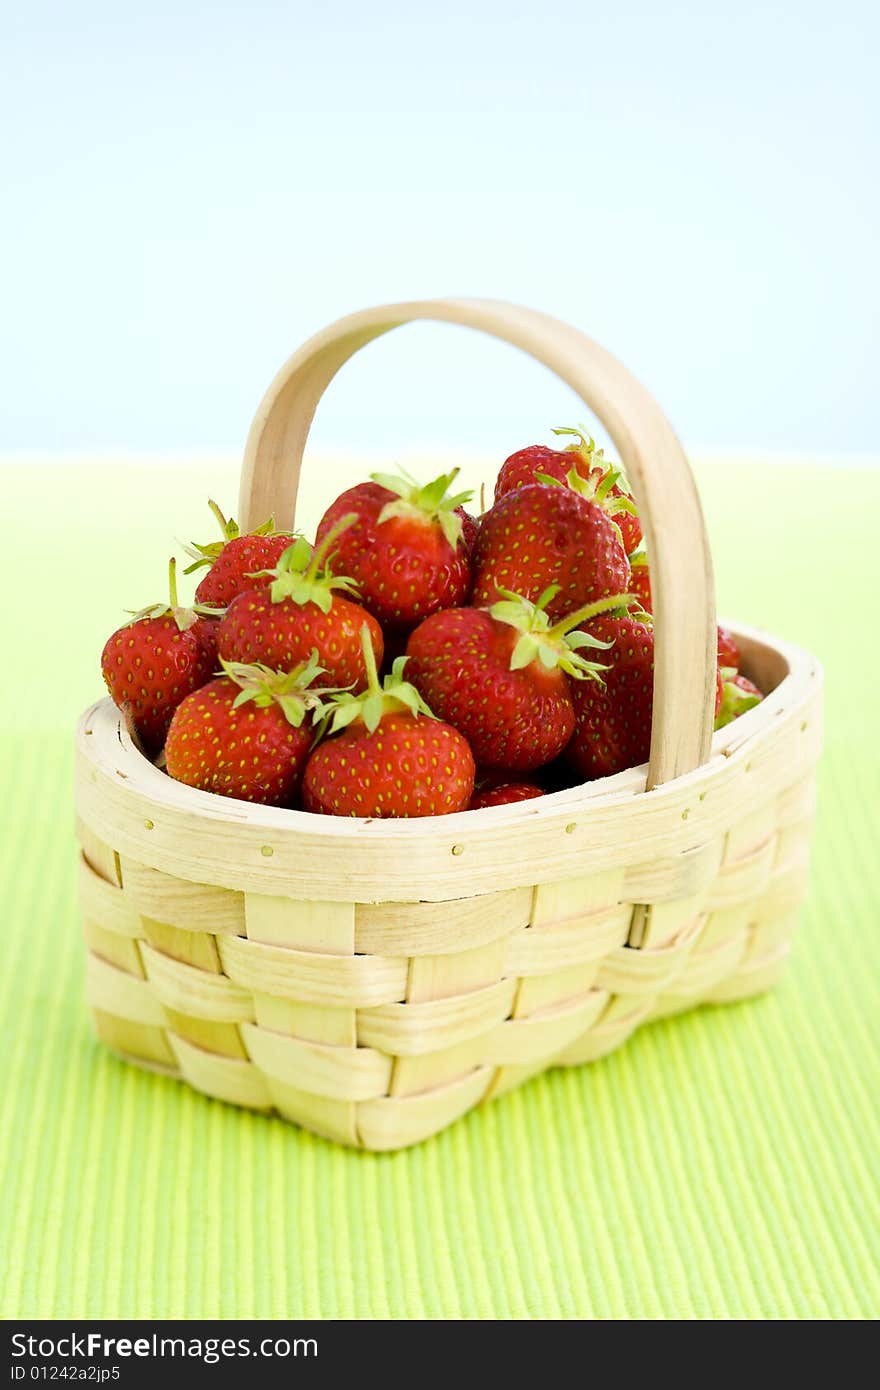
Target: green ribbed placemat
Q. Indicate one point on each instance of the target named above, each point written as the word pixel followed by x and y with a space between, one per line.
pixel 722 1164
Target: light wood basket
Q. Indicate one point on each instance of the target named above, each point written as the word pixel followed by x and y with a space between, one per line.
pixel 374 980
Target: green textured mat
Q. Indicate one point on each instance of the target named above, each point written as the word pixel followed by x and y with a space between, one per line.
pixel 723 1164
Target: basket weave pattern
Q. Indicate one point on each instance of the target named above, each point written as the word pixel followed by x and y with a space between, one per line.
pixel 374 980
pixel 377 1024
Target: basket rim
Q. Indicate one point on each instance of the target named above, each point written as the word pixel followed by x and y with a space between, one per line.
pixel 117 787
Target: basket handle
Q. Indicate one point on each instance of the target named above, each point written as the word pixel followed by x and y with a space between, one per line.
pixel 675 535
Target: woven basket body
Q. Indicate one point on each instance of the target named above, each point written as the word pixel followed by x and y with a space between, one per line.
pixel 373 980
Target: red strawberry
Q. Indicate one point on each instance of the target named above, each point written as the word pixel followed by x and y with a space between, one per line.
pixel 407 549
pixel 538 536
pixel 504 794
pixel 470 529
pixel 640 579
pixel 209 631
pixel 247 734
pixel 235 561
pixel 304 609
pixel 613 718
pixel 537 461
pixel 387 755
pixel 738 695
pixel 501 677
pixel 610 481
pixel 728 652
pixel 155 661
pixel 526 464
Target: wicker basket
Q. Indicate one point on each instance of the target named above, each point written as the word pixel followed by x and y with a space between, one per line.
pixel 374 980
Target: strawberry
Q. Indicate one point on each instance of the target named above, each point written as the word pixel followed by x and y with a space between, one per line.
pixel 538 462
pixel 235 561
pixel 539 536
pixel 613 718
pixel 247 734
pixel 470 529
pixel 640 579
pixel 305 608
pixel 387 755
pixel 504 795
pixel 728 652
pixel 503 676
pixel 408 546
pixel 209 631
pixel 527 464
pixel 610 480
pixel 738 695
pixel 156 660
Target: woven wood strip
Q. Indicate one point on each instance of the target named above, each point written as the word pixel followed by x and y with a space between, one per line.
pixel 392 1123
pixel 679 876
pixel 338 981
pixel 411 1029
pixel 200 993
pixel 106 903
pixel 191 906
pixel 225 1078
pixel 625 971
pixel 555 946
pixel 145 1044
pixel 339 1073
pixel 429 929
pixel 116 992
pixel 542 1035
pixel 97 854
pixel 114 948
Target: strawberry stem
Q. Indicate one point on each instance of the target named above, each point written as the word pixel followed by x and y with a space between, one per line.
pixel 591 610
pixel 370 662
pixel 223 523
pixel 320 551
pixel 372 704
pixel 172 583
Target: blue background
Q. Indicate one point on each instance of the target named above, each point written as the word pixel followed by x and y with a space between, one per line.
pixel 192 189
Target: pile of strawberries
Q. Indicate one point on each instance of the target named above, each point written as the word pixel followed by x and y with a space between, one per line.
pixel 415 660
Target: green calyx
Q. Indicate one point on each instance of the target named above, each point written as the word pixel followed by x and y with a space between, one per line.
pixel 601 478
pixel 203 556
pixel 393 695
pixel 555 645
pixel 585 445
pixel 429 502
pixel 595 488
pixel 303 575
pixel 734 700
pixel 183 616
pixel 585 448
pixel 293 691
